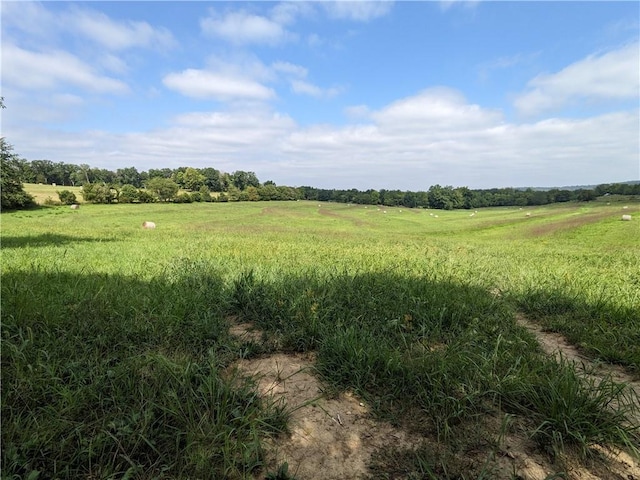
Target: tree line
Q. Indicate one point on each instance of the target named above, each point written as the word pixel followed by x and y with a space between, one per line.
pixel 188 184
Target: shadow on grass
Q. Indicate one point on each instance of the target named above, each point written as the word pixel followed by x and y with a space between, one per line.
pixel 46 240
pixel 108 375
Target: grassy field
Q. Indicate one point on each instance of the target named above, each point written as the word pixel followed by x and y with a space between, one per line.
pixel 49 193
pixel 116 349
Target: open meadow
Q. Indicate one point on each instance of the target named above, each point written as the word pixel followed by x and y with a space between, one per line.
pixel 118 359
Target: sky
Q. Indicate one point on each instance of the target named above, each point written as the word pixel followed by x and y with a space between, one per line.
pixel 394 95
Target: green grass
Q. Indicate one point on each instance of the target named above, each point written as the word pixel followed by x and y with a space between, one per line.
pixel 116 353
pixel 44 193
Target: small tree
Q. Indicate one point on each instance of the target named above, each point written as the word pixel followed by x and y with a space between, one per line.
pixel 128 194
pixel 67 197
pixel 12 191
pixel 164 188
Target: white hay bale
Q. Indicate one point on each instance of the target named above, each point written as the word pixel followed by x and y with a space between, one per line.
pixel 148 225
pixel 75 206
pixel 528 215
pixel 625 207
pixel 626 218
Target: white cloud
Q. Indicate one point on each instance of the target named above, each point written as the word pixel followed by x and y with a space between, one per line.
pixel 469 4
pixel 357 112
pixel 307 88
pixel 33 18
pixel 290 69
pixel 219 86
pixel 49 70
pixel 610 75
pixel 244 28
pixel 359 10
pixel 426 139
pixel 435 109
pixel 117 35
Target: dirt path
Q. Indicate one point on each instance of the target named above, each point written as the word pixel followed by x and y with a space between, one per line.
pixel 557 345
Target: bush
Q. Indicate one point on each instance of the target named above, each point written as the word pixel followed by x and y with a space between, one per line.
pixel 67 197
pixel 128 194
pixel 145 197
pixel 183 198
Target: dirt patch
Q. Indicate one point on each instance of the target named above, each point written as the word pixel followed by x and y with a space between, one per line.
pixel 557 345
pixel 330 437
pixel 576 221
pixel 336 437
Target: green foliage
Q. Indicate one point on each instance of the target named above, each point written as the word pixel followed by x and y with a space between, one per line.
pixel 128 194
pixel 12 192
pixel 164 188
pixel 67 197
pixel 146 197
pixel 97 193
pixel 183 198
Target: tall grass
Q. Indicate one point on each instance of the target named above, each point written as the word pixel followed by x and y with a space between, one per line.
pixel 116 353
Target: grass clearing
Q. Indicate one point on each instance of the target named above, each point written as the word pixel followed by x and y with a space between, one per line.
pixel 116 339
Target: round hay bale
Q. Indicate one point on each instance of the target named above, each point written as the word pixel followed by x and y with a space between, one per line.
pixel 626 218
pixel 75 206
pixel 148 225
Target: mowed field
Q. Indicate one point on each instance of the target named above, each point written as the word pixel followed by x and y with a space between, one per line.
pixel 117 357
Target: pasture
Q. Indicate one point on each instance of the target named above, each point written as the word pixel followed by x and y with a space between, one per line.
pixel 117 358
pixel 43 193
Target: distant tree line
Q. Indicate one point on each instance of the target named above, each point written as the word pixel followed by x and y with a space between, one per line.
pixel 188 184
pixel 449 198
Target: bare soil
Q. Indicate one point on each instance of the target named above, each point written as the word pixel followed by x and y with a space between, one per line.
pixel 336 437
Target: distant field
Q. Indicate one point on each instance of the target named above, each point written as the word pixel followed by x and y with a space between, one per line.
pixel 43 192
pixel 115 338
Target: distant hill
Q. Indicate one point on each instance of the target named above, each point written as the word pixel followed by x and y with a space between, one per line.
pixel 577 187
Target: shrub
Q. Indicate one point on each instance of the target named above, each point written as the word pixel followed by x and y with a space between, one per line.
pixel 128 194
pixel 145 197
pixel 67 197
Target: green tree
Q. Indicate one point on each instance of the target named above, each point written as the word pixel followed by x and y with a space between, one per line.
pixel 67 197
pixel 99 193
pixel 164 188
pixel 12 192
pixel 129 175
pixel 192 179
pixel 128 194
pixel 241 180
pixel 212 179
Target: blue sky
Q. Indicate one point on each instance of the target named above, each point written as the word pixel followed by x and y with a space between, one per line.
pixel 330 94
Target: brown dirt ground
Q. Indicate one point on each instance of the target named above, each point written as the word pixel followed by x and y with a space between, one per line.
pixel 336 437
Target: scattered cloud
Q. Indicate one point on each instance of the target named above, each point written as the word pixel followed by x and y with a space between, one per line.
pixel 360 10
pixel 434 110
pixel 469 4
pixel 241 27
pixel 290 69
pixel 307 88
pixel 412 143
pixel 115 35
pixel 32 18
pixel 49 70
pixel 609 75
pixel 508 61
pixel 217 86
